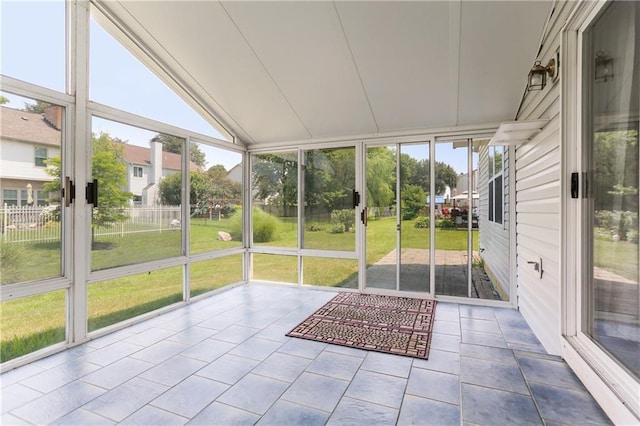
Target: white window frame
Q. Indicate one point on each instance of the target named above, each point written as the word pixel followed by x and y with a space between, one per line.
pixel 494 203
pixel 138 171
pixel 613 388
pixel 37 157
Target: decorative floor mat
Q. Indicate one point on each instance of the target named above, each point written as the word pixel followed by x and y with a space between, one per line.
pixel 395 325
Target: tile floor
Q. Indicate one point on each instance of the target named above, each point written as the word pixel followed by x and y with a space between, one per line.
pixel 225 360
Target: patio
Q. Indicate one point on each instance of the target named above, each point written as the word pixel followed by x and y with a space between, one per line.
pixel 225 360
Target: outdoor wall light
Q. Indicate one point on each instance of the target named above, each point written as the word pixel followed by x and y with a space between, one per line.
pixel 538 75
pixel 604 66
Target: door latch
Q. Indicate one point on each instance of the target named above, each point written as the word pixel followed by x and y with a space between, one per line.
pixel 91 193
pixel 68 192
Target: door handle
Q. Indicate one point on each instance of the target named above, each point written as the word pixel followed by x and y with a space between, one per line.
pixel 364 216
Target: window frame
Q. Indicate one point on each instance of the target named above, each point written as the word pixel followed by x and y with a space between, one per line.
pixel 39 160
pixel 137 169
pixel 496 210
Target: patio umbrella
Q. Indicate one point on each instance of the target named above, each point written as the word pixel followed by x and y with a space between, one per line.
pixel 29 194
pixel 465 196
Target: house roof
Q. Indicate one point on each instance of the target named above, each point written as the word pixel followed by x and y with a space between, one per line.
pixel 303 72
pixel 28 127
pixel 140 155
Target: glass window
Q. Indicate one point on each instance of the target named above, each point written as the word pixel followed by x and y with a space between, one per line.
pixel 327 272
pixel 274 184
pixel 33 40
pixel 10 197
pixel 40 156
pixel 137 171
pixel 126 233
pixel 216 199
pixel 131 86
pixel 228 270
pixel 32 323
pixel 496 184
pixel 278 268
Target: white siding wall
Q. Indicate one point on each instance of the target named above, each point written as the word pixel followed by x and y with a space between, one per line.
pixel 494 237
pixel 17 161
pixel 538 202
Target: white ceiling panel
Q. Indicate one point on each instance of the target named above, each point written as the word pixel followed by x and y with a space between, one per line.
pixel 303 48
pixel 208 46
pixel 499 41
pixel 403 52
pixel 300 71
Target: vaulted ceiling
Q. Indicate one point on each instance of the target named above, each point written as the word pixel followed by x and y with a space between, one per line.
pixel 306 71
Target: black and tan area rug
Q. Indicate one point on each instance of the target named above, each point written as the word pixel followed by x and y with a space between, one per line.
pixel 395 325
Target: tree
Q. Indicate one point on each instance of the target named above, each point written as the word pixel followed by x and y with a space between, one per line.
pixel 37 108
pixel 3 100
pixel 174 144
pixel 111 173
pixel 275 178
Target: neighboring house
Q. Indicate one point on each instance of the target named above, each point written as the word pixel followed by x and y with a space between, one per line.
pixel 27 141
pixel 146 167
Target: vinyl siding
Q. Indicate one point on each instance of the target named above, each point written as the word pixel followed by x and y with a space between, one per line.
pixel 537 185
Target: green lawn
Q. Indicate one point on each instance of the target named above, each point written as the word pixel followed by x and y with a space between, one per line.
pixel 620 257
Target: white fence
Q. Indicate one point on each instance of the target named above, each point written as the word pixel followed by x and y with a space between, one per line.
pixel 36 224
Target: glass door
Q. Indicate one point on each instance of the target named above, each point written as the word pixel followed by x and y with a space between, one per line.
pixel 611 290
pixel 397 217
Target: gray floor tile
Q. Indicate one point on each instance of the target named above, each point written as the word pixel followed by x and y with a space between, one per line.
pixel 443 361
pixel 479 312
pixel 282 367
pixel 484 339
pixel 192 335
pixel 303 348
pixel 9 420
pixel 112 353
pixel 219 322
pixel 173 370
pixel 208 350
pixel 486 406
pixel 445 342
pixel 274 332
pixel 59 376
pixel 344 350
pixel 423 412
pixel 16 395
pixel 222 414
pixel 117 373
pixel 53 405
pixel 254 393
pixel 124 400
pixel 73 354
pixel 356 412
pixel 482 325
pixel 446 327
pixel 14 376
pixel 316 391
pixel 109 339
pixel 189 397
pixel 487 352
pixel 149 415
pixel 85 418
pixel 434 385
pixel 159 352
pixel 288 413
pixel 335 365
pixel 377 388
pixel 256 348
pixel 492 374
pixel 149 337
pixel 549 372
pixel 228 368
pixel 235 334
pixel 387 364
pixel 567 406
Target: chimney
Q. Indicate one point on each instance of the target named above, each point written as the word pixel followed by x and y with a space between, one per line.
pixel 53 116
pixel 156 160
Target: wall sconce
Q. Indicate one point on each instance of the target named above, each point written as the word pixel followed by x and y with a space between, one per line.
pixel 538 75
pixel 604 66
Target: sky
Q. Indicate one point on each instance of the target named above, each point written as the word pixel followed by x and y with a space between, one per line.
pixel 117 79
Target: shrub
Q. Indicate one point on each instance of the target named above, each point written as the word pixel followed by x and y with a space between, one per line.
pixel 423 222
pixel 314 228
pixel 338 228
pixel 264 225
pixel 346 217
pixel 446 223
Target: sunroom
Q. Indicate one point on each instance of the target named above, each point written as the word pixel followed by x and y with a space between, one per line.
pixel 209 167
